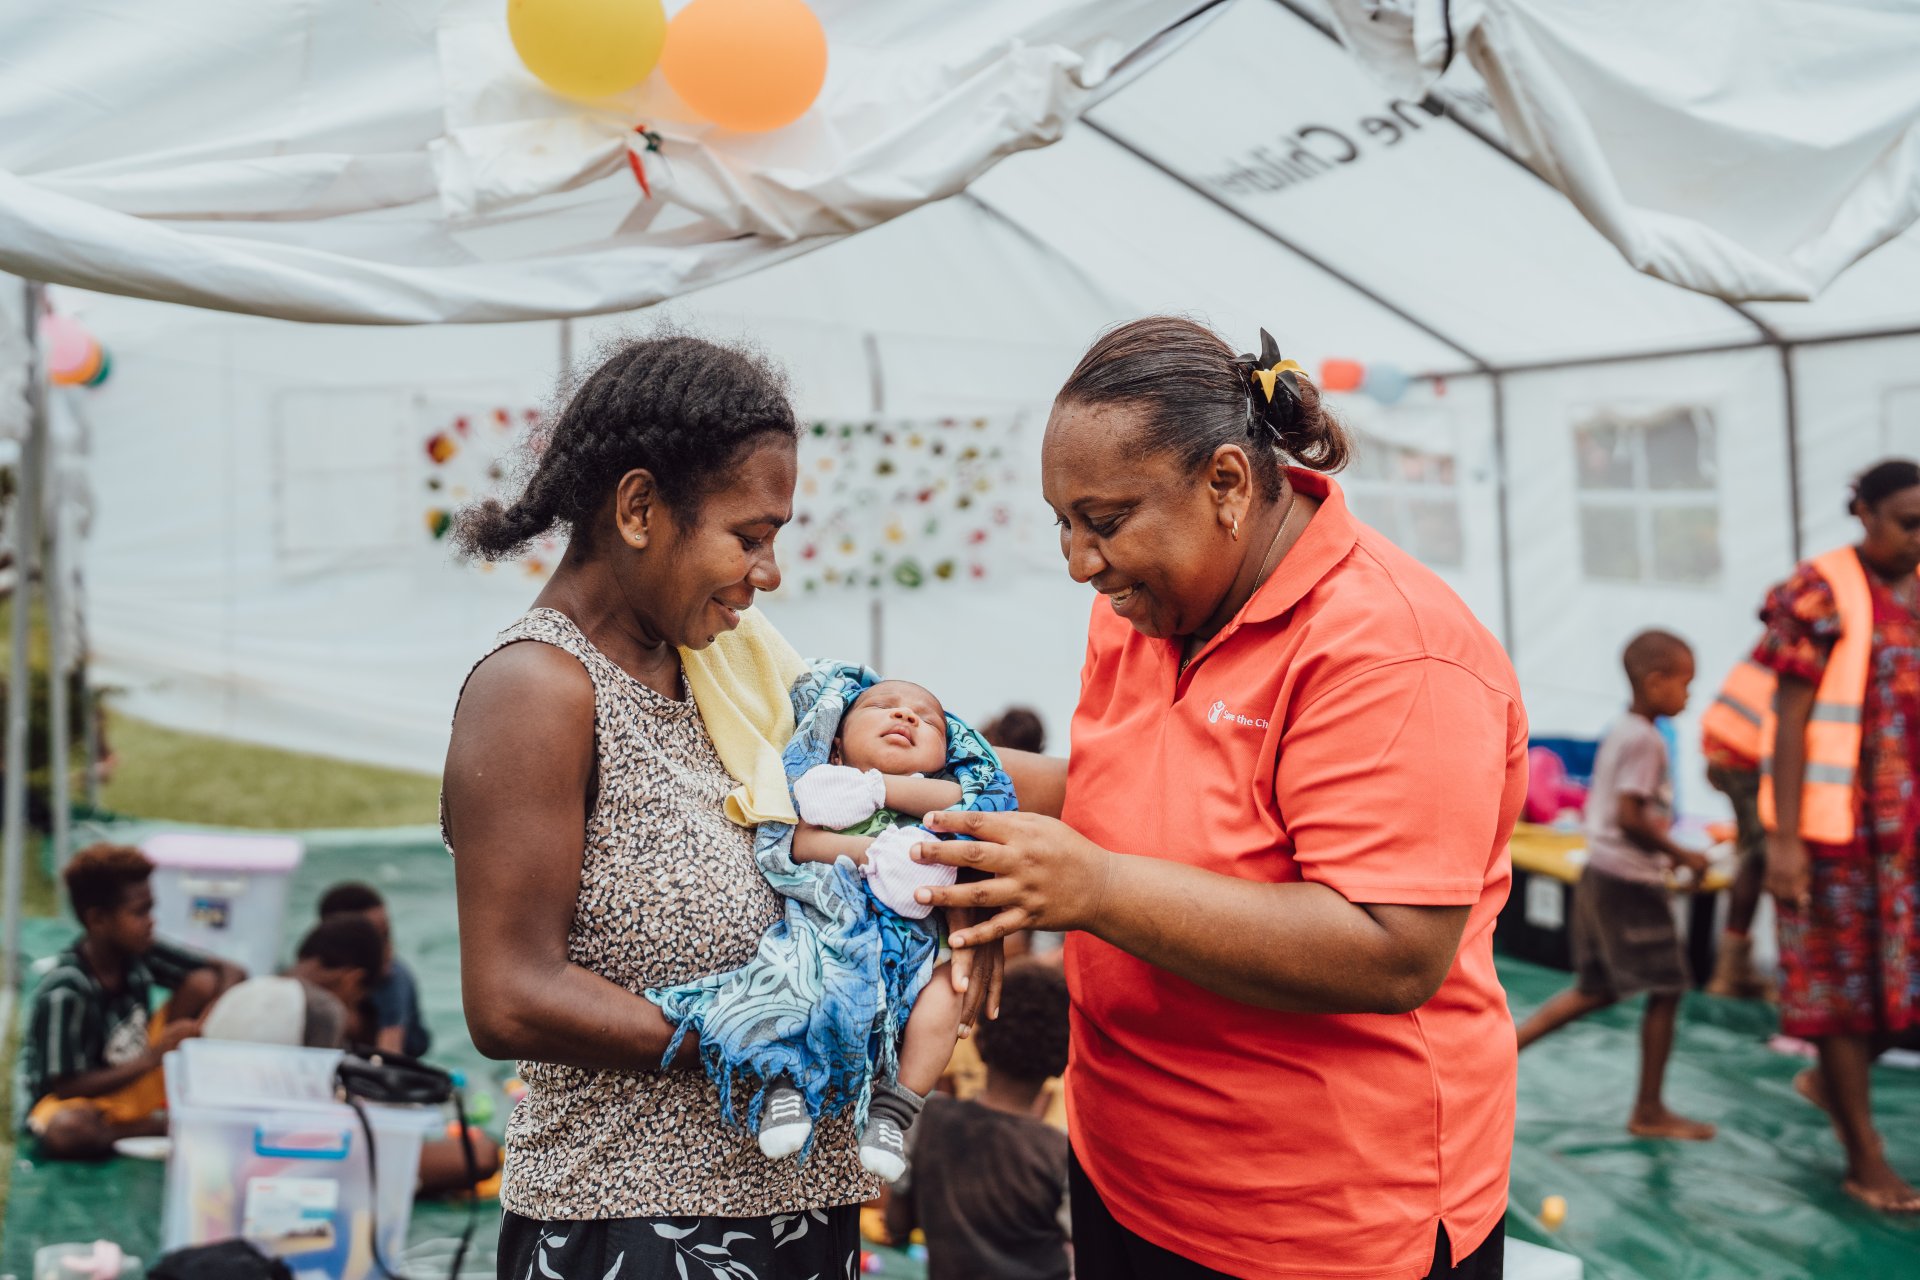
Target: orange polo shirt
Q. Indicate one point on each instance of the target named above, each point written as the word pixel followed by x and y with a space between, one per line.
pixel 1353 726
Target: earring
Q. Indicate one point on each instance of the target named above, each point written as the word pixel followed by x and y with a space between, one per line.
pixel 1236 528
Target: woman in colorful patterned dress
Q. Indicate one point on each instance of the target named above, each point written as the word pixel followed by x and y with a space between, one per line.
pixel 1847 933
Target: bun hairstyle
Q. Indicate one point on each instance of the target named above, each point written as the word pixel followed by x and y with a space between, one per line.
pixel 1195 395
pixel 1881 481
pixel 679 407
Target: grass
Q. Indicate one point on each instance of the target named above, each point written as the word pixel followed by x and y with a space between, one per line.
pixel 185 777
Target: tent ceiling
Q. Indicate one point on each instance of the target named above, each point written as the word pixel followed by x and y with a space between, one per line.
pixel 1161 247
pixel 1256 173
pixel 1881 291
pixel 1412 207
pixel 1746 149
pixel 389 161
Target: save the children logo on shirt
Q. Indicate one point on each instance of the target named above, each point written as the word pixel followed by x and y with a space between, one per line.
pixel 1218 712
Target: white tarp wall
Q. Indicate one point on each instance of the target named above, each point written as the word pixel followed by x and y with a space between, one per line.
pixel 1645 494
pixel 351 639
pixel 260 566
pixel 1859 402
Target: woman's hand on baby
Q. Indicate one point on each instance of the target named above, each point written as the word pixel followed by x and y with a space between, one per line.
pixel 1045 875
pixel 836 796
pixel 975 972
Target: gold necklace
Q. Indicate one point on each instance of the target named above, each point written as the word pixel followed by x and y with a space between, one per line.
pixel 1260 578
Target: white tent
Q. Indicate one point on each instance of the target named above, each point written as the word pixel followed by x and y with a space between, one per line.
pixel 1744 148
pixel 1593 451
pixel 391 161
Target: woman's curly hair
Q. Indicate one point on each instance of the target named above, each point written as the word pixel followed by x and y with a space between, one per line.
pixel 680 407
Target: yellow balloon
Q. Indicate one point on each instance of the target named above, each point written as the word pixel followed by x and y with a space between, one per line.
pixel 588 48
pixel 1553 1212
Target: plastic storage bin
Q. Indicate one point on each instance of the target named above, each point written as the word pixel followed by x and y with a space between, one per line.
pixel 101 1260
pixel 262 1152
pixel 226 894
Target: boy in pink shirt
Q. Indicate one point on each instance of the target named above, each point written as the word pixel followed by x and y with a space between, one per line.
pixel 1624 939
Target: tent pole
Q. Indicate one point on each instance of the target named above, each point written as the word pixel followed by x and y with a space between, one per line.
pixel 1790 401
pixel 1501 514
pixel 26 503
pixel 59 736
pixel 876 372
pixel 89 737
pixel 876 606
pixel 1674 353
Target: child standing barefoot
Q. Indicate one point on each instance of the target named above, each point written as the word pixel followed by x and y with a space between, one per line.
pixel 1624 940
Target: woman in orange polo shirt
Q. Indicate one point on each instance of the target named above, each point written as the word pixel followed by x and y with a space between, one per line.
pixel 1296 762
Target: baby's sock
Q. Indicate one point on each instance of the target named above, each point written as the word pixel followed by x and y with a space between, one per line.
pixel 893 875
pixel 883 1146
pixel 784 1124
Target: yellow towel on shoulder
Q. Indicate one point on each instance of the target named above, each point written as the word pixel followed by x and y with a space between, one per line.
pixel 741 684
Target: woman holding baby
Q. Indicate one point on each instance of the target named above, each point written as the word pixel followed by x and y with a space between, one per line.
pixel 1281 838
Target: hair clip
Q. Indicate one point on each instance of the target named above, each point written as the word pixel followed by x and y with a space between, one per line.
pixel 1270 372
pixel 1269 369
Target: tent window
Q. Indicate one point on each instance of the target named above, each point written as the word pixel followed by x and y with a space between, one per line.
pixel 1649 494
pixel 1411 495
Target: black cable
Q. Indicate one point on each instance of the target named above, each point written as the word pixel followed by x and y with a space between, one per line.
pixel 373 1189
pixel 427 1081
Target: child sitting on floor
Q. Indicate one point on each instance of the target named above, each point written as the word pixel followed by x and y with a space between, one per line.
pixel 90 1062
pixel 311 1004
pixel 393 1000
pixel 1624 939
pixel 864 805
pixel 987 1181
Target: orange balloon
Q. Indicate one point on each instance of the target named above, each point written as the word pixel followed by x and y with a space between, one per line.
pixel 747 65
pixel 1341 375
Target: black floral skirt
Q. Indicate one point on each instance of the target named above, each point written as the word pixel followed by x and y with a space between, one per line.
pixel 812 1244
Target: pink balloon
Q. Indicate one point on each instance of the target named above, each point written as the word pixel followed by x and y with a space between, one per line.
pixel 1549 791
pixel 69 346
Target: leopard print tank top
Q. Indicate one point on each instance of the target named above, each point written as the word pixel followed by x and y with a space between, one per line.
pixel 669 891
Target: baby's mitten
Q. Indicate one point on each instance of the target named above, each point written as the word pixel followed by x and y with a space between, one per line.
pixel 837 795
pixel 893 875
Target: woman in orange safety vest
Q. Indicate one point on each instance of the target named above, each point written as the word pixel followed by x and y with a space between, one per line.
pixel 1730 741
pixel 1840 795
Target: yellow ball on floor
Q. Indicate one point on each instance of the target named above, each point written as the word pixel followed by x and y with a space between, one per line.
pixel 1553 1212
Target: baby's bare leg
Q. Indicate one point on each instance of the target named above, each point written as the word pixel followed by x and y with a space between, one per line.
pixel 932 1030
pixel 925 1046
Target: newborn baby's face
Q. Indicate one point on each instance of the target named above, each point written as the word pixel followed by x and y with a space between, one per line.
pixel 895 727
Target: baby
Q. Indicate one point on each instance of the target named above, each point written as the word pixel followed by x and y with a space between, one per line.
pixel 864 806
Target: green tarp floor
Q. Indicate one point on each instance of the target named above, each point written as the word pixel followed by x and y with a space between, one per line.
pixel 1762 1200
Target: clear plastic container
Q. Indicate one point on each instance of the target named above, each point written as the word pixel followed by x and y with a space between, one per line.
pixel 101 1260
pixel 260 1153
pixel 223 893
